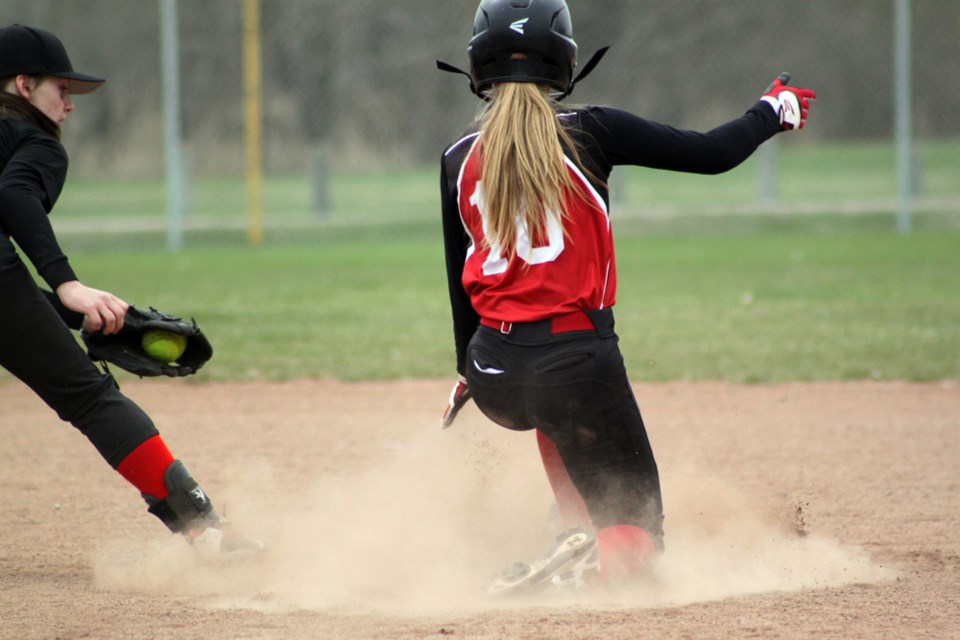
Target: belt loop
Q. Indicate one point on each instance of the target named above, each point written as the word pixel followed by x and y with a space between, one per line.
pixel 506 328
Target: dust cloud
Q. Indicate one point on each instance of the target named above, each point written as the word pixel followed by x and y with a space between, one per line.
pixel 422 526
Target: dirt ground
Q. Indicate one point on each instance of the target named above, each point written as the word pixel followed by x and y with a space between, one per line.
pixel 793 511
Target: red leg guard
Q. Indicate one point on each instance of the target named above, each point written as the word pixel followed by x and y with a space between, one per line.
pixel 573 510
pixel 144 467
pixel 625 552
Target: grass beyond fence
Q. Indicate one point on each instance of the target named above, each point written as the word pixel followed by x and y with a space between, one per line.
pixel 825 178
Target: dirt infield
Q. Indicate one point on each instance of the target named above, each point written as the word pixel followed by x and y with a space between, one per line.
pixel 793 511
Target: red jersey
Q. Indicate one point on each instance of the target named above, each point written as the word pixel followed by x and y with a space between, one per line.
pixel 570 268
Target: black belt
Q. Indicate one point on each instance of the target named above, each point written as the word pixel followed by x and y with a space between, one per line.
pixel 564 323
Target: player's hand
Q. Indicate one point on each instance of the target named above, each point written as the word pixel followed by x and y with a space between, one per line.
pixel 790 103
pixel 101 310
pixel 458 397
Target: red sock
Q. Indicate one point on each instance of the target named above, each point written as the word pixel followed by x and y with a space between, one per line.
pixel 625 552
pixel 573 510
pixel 144 467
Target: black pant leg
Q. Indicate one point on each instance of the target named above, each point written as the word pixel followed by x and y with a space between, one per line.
pixel 38 348
pixel 575 389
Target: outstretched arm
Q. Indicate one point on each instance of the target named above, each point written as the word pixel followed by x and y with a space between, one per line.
pixel 628 139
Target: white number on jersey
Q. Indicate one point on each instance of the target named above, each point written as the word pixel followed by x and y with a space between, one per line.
pixel 496 264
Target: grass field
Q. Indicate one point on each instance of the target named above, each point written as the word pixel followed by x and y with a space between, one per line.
pixel 791 304
pixel 709 288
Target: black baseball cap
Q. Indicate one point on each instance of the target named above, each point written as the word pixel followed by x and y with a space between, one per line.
pixel 35 52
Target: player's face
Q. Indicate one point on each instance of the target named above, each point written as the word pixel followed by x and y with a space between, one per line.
pixel 52 97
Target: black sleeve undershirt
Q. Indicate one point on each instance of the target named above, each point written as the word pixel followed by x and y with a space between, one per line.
pixel 622 138
pixel 30 182
pixel 456 242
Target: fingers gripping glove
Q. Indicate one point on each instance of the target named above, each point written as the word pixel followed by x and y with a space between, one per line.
pixel 124 348
pixel 458 397
pixel 790 104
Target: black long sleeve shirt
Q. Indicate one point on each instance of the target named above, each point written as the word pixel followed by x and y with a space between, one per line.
pixel 33 168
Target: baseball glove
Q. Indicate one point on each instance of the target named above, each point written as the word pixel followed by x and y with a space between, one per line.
pixel 124 349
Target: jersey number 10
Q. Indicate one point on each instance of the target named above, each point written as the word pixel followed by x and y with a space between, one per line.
pixel 495 263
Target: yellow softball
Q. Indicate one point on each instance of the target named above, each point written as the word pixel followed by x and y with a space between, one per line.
pixel 164 346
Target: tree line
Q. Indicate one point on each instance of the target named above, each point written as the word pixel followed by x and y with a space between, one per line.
pixel 358 79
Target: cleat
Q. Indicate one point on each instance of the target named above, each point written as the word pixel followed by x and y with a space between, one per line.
pixel 568 563
pixel 188 511
pixel 212 536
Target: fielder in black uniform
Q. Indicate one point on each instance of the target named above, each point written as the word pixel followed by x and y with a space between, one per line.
pixel 532 277
pixel 37 82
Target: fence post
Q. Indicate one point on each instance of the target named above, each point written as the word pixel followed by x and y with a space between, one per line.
pixel 320 181
pixel 175 171
pixel 902 115
pixel 253 138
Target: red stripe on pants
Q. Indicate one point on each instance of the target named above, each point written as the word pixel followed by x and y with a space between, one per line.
pixel 573 510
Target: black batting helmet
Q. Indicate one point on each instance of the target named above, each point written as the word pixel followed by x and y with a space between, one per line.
pixel 523 41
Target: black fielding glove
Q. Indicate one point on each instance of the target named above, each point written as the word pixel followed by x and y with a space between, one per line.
pixel 124 349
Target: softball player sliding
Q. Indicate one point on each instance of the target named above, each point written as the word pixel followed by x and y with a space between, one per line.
pixel 532 277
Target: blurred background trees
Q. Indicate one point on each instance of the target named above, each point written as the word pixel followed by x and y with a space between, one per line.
pixel 359 77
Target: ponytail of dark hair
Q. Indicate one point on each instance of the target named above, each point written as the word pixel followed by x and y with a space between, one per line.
pixel 13 106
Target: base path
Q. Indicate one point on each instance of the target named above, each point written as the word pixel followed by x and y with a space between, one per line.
pixel 826 510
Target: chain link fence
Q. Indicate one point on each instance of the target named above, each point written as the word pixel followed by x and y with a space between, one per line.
pixel 353 103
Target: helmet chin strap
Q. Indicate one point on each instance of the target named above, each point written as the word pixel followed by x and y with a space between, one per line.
pixel 443 66
pixel 587 68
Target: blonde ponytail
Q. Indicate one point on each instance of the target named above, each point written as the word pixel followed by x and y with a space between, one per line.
pixel 523 168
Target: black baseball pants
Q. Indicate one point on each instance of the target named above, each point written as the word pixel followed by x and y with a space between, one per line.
pixel 573 387
pixel 37 347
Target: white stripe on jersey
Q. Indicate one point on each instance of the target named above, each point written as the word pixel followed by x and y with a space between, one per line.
pixel 593 192
pixel 458 142
pixel 463 166
pixel 603 207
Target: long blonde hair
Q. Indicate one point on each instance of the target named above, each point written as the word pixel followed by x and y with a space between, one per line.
pixel 523 167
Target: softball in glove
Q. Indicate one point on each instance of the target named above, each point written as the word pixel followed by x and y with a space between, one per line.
pixel 124 349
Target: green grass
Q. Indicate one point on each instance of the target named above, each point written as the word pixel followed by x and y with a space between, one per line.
pixel 772 308
pixel 353 195
pixel 371 303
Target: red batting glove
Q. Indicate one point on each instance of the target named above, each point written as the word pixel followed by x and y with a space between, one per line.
pixel 790 103
pixel 458 398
